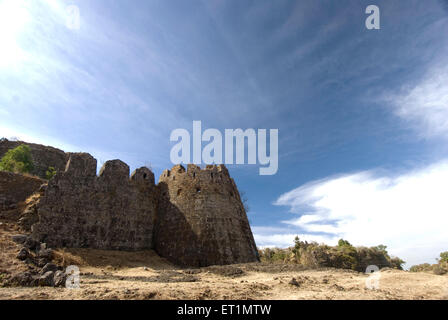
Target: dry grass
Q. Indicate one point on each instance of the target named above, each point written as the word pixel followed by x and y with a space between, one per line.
pixel 109 258
pixel 8 251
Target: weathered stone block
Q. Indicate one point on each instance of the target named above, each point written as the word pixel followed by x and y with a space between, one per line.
pixel 144 176
pixel 114 171
pixel 81 165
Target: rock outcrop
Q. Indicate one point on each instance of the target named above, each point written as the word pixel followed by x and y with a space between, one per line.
pixel 41 271
pixel 15 188
pixel 43 156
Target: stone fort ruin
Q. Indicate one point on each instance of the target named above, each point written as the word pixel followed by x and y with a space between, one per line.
pixel 192 217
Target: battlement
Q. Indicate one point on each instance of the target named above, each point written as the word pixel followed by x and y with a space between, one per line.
pixel 110 211
pixel 143 176
pixel 211 174
pixel 83 166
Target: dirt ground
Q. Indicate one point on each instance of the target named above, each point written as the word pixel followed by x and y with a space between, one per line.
pixel 144 275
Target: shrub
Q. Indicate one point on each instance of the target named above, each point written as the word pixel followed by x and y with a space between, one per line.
pixel 50 173
pixel 344 255
pixel 438 270
pixel 444 256
pixel 342 243
pixel 421 267
pixel 297 246
pixel 274 255
pixel 17 160
pixel 397 263
pixel 381 248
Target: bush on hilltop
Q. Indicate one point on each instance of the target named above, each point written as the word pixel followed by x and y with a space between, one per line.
pixel 343 256
pixel 17 160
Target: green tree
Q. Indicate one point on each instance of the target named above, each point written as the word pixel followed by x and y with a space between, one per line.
pixel 344 243
pixel 297 246
pixel 297 242
pixel 17 160
pixel 382 248
pixel 444 256
pixel 50 173
pixel 397 263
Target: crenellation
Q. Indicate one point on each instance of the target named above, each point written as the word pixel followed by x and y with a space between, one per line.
pixel 222 168
pixel 217 174
pixel 165 173
pixel 143 176
pixel 114 171
pixel 177 169
pixel 81 165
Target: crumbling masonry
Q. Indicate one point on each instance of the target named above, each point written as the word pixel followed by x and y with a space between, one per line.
pixel 192 217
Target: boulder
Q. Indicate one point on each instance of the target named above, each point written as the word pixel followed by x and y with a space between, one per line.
pixel 46 280
pixel 23 254
pixel 59 278
pixel 19 238
pixel 49 267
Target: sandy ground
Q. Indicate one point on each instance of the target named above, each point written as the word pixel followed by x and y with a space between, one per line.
pixel 144 275
pixel 137 283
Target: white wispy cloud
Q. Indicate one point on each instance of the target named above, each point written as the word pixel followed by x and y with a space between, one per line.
pixel 407 212
pixel 284 237
pixel 425 105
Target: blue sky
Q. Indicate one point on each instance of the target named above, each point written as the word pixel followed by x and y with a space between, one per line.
pixel 362 114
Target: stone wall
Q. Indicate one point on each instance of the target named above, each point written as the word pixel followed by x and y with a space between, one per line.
pixel 192 218
pixel 15 188
pixel 201 218
pixel 109 211
pixel 43 156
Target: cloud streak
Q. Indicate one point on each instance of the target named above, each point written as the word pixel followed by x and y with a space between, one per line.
pixel 425 105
